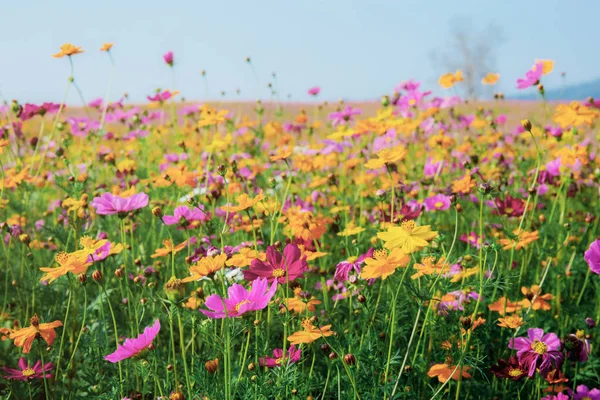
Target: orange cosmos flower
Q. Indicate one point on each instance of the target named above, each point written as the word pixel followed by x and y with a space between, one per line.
pixel 244 202
pixel 490 79
pixel 68 49
pixel 106 47
pixel 429 266
pixel 463 185
pixel 504 305
pixel 245 257
pixel 3 144
pixel 299 305
pixel 521 240
pixel 540 302
pixel 206 266
pixel 383 264
pixel 76 263
pixel 574 114
pixel 168 249
pixel 310 333
pixel 448 80
pixel 444 372
pixel 24 337
pixel 282 153
pixel 386 156
pixel 511 322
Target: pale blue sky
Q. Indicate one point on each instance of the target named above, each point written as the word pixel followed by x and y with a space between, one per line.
pixel 352 49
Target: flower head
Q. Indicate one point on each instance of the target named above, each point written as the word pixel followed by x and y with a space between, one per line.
pixel 281 267
pixel 109 204
pixel 26 372
pixel 314 91
pixel 186 217
pixel 240 300
pixel 538 351
pixel 293 355
pixel 448 80
pixel 592 256
pixel 532 76
pixel 381 264
pixel 168 57
pixel 68 49
pixel 24 337
pixel 408 236
pixel 133 347
pixel 106 47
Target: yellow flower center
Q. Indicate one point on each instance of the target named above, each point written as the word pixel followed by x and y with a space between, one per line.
pixel 278 272
pixel 240 304
pixel 408 225
pixel 380 254
pixel 280 361
pixel 351 259
pixel 539 347
pixel 27 372
pixel 515 372
pixel 438 204
pixel 86 241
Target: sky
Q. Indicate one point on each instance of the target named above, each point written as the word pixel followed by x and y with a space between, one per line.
pixel 353 50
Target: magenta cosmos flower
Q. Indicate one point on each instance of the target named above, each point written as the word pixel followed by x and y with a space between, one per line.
pixel 343 269
pixel 439 202
pixel 592 256
pixel 538 351
pixel 281 267
pixel 582 392
pixel 133 347
pixel 532 76
pixel 168 57
pixel 25 372
pixel 162 96
pixel 109 204
pixel 240 300
pixel 185 217
pixel 314 91
pixel 347 115
pixel 293 355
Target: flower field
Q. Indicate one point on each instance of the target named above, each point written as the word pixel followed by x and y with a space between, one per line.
pixel 418 248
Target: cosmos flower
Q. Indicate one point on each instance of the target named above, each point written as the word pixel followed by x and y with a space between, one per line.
pixel 168 57
pixel 490 79
pixel 244 202
pixel 510 369
pixel 443 372
pixel 408 236
pixel 439 202
pixel 538 351
pixel 345 116
pixel 75 263
pixel 240 300
pixel 106 47
pixel 592 256
pixel 293 355
pixel 24 337
pixel 582 392
pixel 343 269
pixel 109 204
pixel 68 49
pixel 281 267
pixel 532 76
pixel 314 91
pixel 448 80
pixel 205 267
pixel 309 333
pixel 133 347
pixel 510 206
pixel 25 372
pixel 381 264
pixel 186 217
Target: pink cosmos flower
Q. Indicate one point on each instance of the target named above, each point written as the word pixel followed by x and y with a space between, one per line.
pixel 439 202
pixel 104 251
pixel 186 218
pixel 133 347
pixel 81 127
pixel 294 355
pixel 240 300
pixel 162 96
pixel 25 372
pixel 473 239
pixel 538 351
pixel 582 392
pixel 96 103
pixel 347 115
pixel 109 204
pixel 168 57
pixel 343 269
pixel 281 267
pixel 314 91
pixel 532 76
pixel 592 257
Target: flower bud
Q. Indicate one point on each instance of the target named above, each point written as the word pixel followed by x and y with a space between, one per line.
pixel 97 276
pixel 176 396
pixel 590 323
pixel 332 356
pixel 251 367
pixel 82 278
pixel 25 239
pixel 212 366
pixel 361 298
pixel 119 272
pixel 526 124
pixel 157 212
pixel 325 348
pixel 349 359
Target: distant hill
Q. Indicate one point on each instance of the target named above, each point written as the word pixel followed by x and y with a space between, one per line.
pixel 580 91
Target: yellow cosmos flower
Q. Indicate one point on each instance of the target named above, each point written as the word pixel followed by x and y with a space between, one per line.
pixel 490 79
pixel 408 236
pixel 448 80
pixel 382 264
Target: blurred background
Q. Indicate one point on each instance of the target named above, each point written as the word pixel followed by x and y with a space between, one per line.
pixel 353 50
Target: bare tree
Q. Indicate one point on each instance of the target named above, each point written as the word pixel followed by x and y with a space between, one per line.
pixel 470 50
